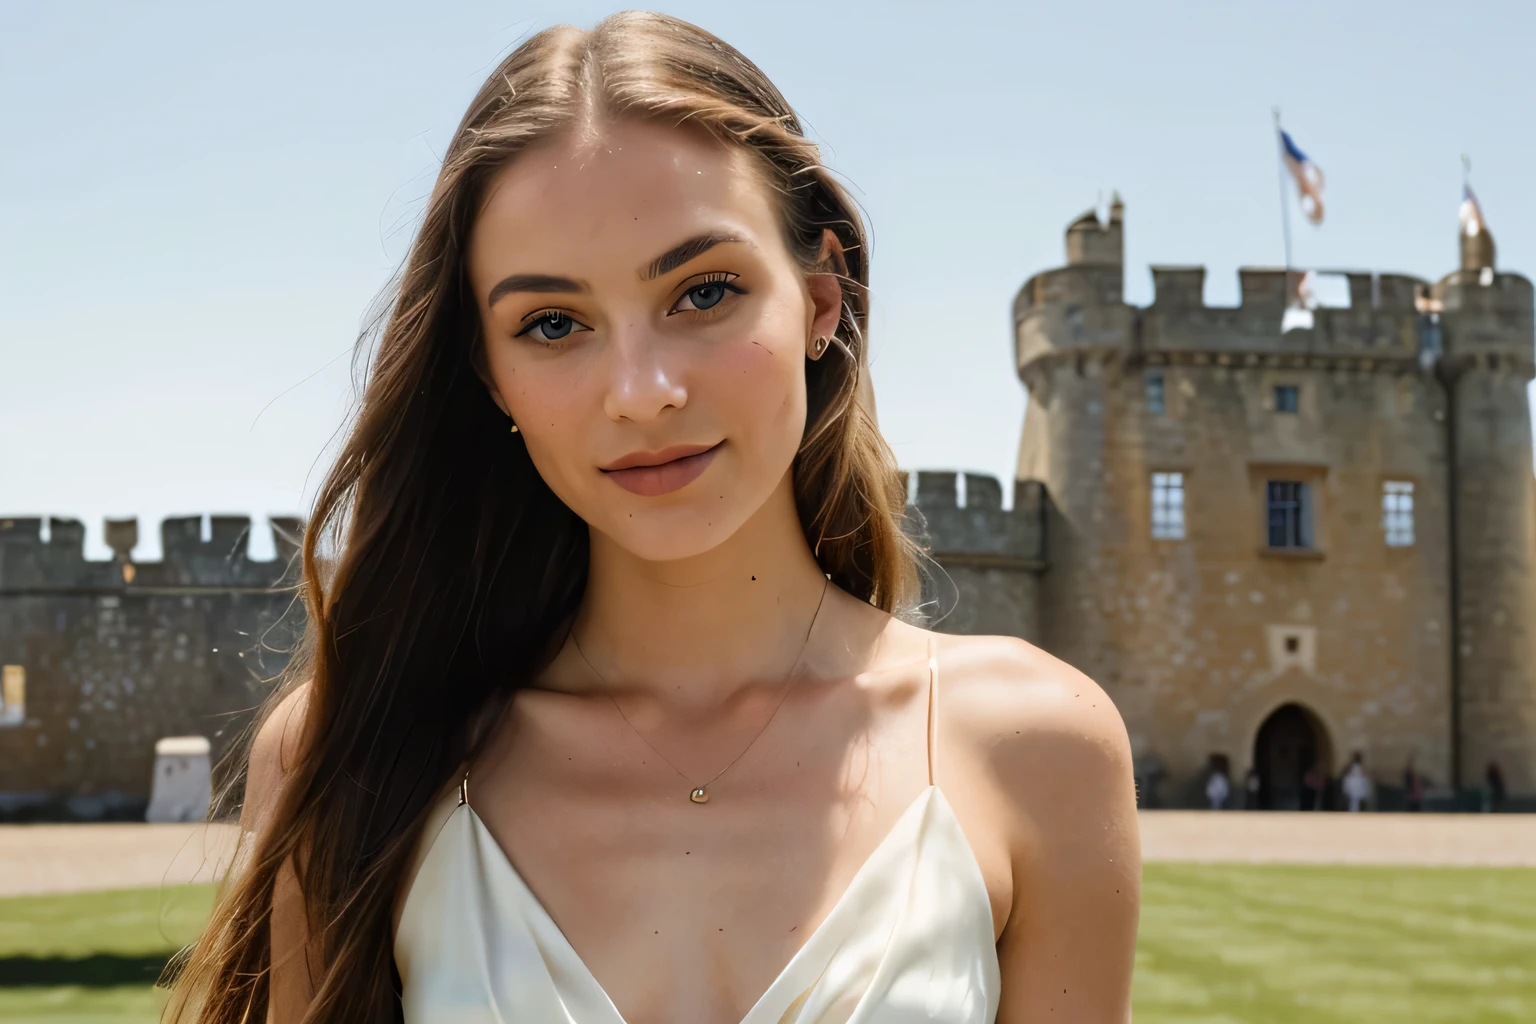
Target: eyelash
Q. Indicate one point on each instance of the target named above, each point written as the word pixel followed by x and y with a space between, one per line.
pixel 544 316
pixel 719 277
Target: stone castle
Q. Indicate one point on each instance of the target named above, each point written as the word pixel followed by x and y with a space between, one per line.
pixel 104 658
pixel 1274 547
pixel 1278 546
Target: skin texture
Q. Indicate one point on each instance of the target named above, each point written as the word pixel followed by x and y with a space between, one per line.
pixel 698 619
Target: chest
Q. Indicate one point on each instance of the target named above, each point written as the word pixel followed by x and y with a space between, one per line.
pixel 673 910
pixel 688 911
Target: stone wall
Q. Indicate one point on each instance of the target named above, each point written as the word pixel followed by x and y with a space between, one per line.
pixel 985 562
pixel 118 654
pixel 1189 636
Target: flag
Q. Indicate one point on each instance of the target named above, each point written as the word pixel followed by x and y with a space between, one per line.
pixel 1309 177
pixel 1472 223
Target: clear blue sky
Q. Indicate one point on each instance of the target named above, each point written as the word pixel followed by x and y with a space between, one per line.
pixel 197 201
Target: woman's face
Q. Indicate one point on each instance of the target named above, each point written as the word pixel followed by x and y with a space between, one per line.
pixel 646 328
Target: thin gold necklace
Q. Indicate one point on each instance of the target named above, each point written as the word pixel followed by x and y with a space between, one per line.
pixel 700 794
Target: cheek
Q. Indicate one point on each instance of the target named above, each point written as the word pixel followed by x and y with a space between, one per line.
pixel 544 393
pixel 759 381
pixel 550 408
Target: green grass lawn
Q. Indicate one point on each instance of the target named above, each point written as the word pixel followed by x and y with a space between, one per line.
pixel 93 957
pixel 1219 945
pixel 1336 945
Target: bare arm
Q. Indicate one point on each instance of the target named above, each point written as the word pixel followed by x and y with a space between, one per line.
pixel 1060 757
pixel 273 755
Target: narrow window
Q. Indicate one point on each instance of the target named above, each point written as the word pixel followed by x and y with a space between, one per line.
pixel 1397 512
pixel 13 695
pixel 1167 506
pixel 1155 404
pixel 1290 515
pixel 1287 398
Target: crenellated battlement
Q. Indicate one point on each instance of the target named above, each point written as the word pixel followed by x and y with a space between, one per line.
pixel 1078 312
pixel 1070 311
pixel 1381 321
pixel 979 532
pixel 30 564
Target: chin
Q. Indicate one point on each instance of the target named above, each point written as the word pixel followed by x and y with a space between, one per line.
pixel 678 533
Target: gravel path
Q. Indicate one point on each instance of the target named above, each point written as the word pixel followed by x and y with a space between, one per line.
pixel 1278 837
pixel 73 858
pixel 76 858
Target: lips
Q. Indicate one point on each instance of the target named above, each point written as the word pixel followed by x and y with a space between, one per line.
pixel 650 474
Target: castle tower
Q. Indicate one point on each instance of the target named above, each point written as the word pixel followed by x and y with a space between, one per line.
pixel 1487 324
pixel 1246 528
pixel 1074 334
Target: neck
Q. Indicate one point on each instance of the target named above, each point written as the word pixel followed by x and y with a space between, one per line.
pixel 695 630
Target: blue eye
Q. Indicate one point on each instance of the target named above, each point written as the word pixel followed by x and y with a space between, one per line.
pixel 707 294
pixel 704 296
pixel 552 326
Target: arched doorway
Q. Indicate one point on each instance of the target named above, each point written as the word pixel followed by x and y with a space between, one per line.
pixel 1291 740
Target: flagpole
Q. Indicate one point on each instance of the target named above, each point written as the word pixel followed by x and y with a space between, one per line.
pixel 1285 209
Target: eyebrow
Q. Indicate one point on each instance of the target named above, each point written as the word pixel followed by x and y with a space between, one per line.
pixel 667 262
pixel 682 253
pixel 532 283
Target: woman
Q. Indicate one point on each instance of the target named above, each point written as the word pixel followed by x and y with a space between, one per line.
pixel 605 714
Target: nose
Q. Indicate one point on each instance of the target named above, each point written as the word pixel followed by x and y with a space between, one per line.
pixel 644 378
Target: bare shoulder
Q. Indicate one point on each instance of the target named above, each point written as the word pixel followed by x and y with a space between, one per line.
pixel 1048 750
pixel 274 753
pixel 1049 738
pixel 1006 694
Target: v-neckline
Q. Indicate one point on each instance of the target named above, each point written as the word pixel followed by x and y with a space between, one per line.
pixel 918 804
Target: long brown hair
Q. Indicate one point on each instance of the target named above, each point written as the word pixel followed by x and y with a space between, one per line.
pixel 439 570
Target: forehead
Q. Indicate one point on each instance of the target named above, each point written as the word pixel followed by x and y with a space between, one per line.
pixel 625 191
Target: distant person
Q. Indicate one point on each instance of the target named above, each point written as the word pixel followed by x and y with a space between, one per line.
pixel 1217 788
pixel 1413 787
pixel 1493 782
pixel 615 505
pixel 1356 784
pixel 1312 785
pixel 1253 788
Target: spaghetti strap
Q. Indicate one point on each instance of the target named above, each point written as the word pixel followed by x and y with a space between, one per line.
pixel 933 709
pixel 464 789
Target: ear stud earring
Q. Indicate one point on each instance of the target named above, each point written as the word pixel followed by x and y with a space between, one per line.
pixel 514 428
pixel 818 348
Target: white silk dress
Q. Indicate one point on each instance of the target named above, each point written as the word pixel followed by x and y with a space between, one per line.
pixel 911 939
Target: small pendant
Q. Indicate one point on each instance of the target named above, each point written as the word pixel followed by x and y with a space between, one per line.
pixel 699 796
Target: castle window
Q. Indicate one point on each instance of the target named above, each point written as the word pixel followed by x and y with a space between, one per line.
pixel 1287 398
pixel 1167 506
pixel 1155 404
pixel 13 695
pixel 1290 514
pixel 1397 512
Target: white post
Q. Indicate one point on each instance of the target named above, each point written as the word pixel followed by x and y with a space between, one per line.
pixel 183 783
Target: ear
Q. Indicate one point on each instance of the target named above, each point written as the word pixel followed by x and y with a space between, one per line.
pixel 826 289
